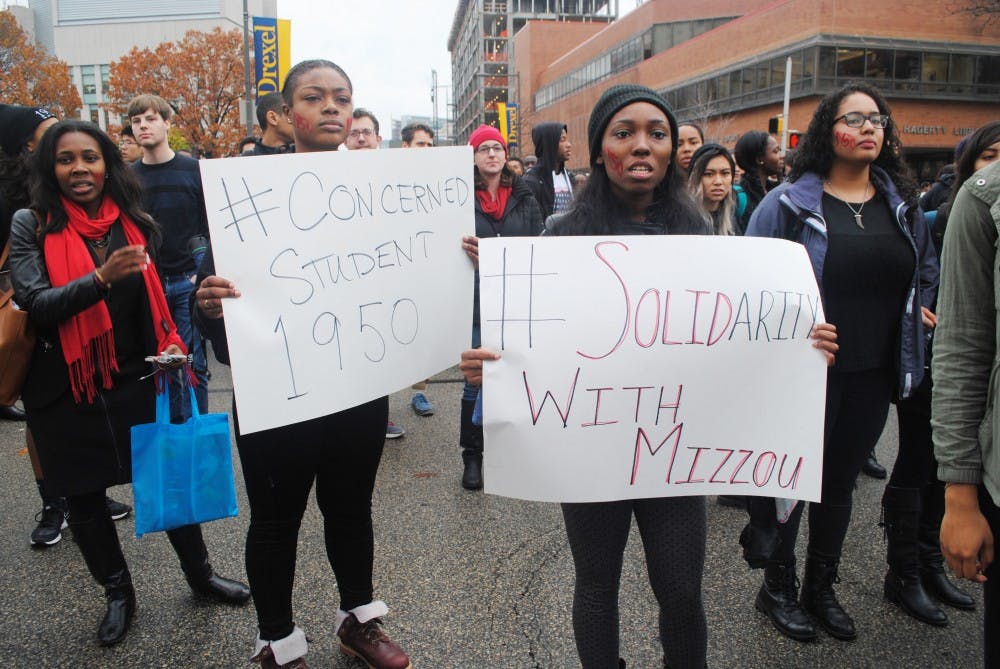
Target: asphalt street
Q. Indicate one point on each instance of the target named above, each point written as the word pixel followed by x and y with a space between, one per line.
pixel 473 581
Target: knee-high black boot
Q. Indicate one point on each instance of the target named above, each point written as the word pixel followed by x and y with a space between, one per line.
pixel 470 438
pixel 190 547
pixel 98 541
pixel 903 586
pixel 932 572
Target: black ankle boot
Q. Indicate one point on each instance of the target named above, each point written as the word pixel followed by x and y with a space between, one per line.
pixel 932 572
pixel 472 474
pixel 121 610
pixel 819 599
pixel 190 547
pixel 470 438
pixel 778 599
pixel 903 585
pixel 98 542
pixel 873 468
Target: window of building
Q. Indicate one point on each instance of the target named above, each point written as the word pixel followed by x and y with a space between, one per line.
pixel 960 72
pixel 850 63
pixel 88 80
pixel 95 115
pixel 907 70
pixel 828 62
pixel 988 73
pixel 763 72
pixel 778 70
pixel 878 64
pixel 934 73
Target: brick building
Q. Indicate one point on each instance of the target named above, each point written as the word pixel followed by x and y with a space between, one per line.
pixel 722 64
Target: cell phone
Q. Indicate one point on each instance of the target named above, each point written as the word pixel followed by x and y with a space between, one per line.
pixel 166 358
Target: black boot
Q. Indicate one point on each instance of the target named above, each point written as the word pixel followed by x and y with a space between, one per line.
pixel 98 541
pixel 932 573
pixel 190 547
pixel 470 438
pixel 819 599
pixel 901 511
pixel 779 600
pixel 873 468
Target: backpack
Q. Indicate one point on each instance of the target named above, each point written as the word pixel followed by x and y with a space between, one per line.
pixel 741 200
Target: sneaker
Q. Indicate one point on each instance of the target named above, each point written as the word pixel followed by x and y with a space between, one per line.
pixel 51 522
pixel 393 431
pixel 421 405
pixel 367 642
pixel 117 510
pixel 267 661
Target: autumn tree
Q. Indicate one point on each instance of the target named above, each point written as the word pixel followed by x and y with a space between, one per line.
pixel 31 76
pixel 201 76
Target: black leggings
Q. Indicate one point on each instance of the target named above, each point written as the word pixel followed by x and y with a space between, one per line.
pixel 341 453
pixel 673 537
pixel 991 589
pixel 857 404
pixel 915 464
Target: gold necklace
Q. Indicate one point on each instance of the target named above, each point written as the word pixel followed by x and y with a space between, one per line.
pixel 857 213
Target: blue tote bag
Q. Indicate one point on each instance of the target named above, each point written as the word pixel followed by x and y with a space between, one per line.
pixel 181 474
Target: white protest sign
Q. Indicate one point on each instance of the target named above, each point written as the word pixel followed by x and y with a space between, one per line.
pixel 650 366
pixel 353 280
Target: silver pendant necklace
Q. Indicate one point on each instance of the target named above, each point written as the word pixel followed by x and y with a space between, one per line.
pixel 856 212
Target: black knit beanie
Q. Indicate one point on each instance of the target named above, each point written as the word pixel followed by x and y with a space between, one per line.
pixel 614 99
pixel 17 124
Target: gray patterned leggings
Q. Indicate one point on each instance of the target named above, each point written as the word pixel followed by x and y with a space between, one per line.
pixel 673 537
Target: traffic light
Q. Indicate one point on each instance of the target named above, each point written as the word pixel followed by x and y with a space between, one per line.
pixel 793 139
pixel 776 124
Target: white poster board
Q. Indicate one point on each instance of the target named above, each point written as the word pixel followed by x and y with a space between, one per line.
pixel 354 283
pixel 650 366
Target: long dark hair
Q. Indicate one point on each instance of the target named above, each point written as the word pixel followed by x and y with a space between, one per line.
pixel 120 185
pixel 973 145
pixel 597 208
pixel 815 153
pixel 14 181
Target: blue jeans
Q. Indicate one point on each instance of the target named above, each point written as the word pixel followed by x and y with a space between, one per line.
pixel 470 393
pixel 178 289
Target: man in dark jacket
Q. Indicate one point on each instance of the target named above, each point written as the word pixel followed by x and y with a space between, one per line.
pixel 278 134
pixel 548 180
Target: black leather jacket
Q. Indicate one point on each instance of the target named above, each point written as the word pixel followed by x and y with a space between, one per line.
pixel 32 289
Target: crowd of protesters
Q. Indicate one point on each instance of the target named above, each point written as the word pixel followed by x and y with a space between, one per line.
pixel 902 275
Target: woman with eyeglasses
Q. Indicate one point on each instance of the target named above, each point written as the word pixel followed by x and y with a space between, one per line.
pixel 851 202
pixel 505 207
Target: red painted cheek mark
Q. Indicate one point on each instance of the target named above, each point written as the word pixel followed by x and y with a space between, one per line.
pixel 615 163
pixel 300 122
pixel 845 140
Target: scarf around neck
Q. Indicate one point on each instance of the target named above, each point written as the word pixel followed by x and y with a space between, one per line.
pixel 494 208
pixel 87 337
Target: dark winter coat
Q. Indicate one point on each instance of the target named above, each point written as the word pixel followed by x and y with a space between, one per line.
pixel 521 218
pixel 545 137
pixel 794 211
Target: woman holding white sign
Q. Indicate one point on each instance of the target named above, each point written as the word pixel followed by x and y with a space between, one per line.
pixel 339 452
pixel 851 202
pixel 505 207
pixel 634 189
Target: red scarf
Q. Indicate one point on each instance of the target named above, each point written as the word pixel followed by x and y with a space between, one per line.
pixel 87 340
pixel 494 208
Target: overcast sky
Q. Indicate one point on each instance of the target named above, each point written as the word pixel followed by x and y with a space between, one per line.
pixel 388 48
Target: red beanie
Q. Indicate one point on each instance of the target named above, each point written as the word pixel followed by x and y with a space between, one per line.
pixel 485 133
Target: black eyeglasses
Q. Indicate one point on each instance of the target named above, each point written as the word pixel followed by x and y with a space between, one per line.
pixel 857 119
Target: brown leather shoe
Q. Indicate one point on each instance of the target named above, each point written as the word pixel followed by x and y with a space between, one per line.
pixel 370 644
pixel 267 661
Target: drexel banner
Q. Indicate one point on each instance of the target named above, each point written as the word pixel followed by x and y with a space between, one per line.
pixel 272 48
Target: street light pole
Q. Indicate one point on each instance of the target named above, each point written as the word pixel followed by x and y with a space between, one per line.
pixel 247 76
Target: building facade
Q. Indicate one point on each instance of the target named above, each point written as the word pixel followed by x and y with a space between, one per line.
pixel 723 66
pixel 479 43
pixel 89 35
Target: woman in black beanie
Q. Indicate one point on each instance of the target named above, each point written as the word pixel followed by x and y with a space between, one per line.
pixel 635 189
